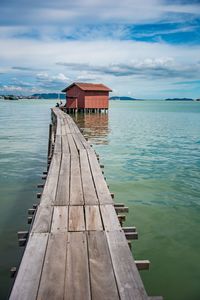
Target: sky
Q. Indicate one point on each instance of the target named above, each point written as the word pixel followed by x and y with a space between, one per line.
pixel 140 48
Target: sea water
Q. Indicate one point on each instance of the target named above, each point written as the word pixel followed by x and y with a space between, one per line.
pixel 151 153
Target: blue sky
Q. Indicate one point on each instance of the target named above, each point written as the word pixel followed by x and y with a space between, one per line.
pixel 140 48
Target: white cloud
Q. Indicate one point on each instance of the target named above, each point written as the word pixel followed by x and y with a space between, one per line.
pixel 10 88
pixel 92 12
pixel 54 78
pixel 139 67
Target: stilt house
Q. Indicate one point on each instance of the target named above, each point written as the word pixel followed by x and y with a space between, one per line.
pixel 87 96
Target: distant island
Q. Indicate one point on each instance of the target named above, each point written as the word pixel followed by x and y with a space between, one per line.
pixel 122 98
pixel 179 99
pixel 59 96
pixel 45 96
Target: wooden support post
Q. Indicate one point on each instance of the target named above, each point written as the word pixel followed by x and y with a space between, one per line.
pixel 50 141
pixel 112 195
pixel 22 234
pixel 40 186
pixel 142 264
pixel 22 242
pixel 45 172
pixel 123 209
pixel 39 195
pixel 102 166
pixel 35 206
pixel 30 219
pixel 155 298
pixel 44 177
pixel 129 229
pixel 121 218
pixel 119 205
pixel 131 235
pixel 130 245
pixel 13 272
pixel 31 211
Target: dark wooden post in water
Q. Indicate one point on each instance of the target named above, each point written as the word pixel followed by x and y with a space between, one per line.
pixel 76 247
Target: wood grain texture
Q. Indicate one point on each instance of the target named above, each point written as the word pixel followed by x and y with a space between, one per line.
pixel 58 126
pixel 129 283
pixel 42 221
pixel 103 285
pixel 60 219
pixel 109 217
pixel 72 145
pixel 76 218
pixel 65 145
pixel 49 192
pixel 89 192
pixel 58 144
pixel 76 193
pixel 100 184
pixel 62 194
pixel 28 277
pixel 77 283
pixel 77 141
pixel 53 273
pixel 93 218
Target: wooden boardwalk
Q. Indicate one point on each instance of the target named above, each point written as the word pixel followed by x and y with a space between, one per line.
pixel 76 248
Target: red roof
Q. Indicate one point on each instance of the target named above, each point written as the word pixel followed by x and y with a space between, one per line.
pixel 89 87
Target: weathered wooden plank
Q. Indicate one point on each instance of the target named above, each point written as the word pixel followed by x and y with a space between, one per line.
pixel 62 194
pixel 77 141
pixel 65 144
pixel 72 146
pixel 49 191
pixel 63 127
pixel 28 277
pixel 60 219
pixel 103 285
pixel 53 274
pixel 77 282
pixel 67 129
pixel 93 218
pixel 58 126
pixel 42 221
pixel 100 184
pixel 58 144
pixel 89 192
pixel 76 218
pixel 129 283
pixel 83 141
pixel 70 125
pixel 109 217
pixel 76 193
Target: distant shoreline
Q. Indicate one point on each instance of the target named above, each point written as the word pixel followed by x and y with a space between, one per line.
pixel 62 97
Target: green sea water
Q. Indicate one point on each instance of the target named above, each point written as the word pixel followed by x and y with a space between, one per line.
pixel 151 153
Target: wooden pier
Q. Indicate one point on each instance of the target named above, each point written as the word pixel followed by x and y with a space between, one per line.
pixel 76 247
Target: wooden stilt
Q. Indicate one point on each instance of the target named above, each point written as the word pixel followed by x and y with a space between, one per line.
pixel 13 272
pixel 40 185
pixel 123 209
pixel 142 264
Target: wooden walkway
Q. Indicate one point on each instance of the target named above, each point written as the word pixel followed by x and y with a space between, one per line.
pixel 76 248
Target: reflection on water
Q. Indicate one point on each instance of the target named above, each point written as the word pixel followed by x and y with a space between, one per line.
pixel 94 126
